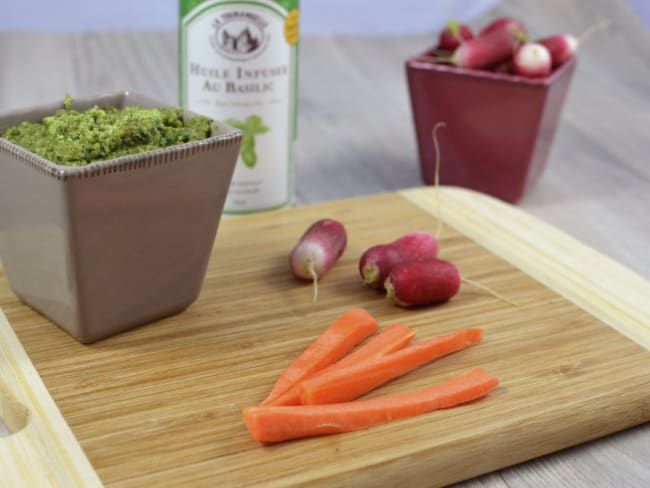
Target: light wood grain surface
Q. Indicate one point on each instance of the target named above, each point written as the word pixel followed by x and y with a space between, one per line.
pixel 42 451
pixel 356 138
pixel 168 397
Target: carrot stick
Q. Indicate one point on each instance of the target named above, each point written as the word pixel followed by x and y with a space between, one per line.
pixel 338 339
pixel 279 423
pixel 348 383
pixel 391 339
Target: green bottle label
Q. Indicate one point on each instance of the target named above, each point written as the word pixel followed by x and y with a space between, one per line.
pixel 238 64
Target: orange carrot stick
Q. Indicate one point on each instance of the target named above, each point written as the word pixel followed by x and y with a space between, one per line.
pixel 338 339
pixel 346 384
pixel 391 339
pixel 279 423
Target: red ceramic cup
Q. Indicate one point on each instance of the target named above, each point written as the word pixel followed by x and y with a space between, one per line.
pixel 499 127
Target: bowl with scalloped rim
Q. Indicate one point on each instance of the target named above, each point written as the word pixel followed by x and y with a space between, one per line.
pixel 106 247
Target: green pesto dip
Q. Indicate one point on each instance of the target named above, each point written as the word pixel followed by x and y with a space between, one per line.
pixel 73 138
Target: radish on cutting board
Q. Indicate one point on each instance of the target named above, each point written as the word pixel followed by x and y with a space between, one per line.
pixel 317 250
pixel 422 283
pixel 428 282
pixel 377 261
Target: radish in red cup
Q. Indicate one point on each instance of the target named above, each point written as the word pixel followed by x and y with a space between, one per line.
pixel 505 23
pixel 564 46
pixel 561 47
pixel 532 60
pixel 318 249
pixel 485 51
pixel 453 35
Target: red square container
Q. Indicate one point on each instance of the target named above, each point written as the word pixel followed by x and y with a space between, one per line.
pixel 499 126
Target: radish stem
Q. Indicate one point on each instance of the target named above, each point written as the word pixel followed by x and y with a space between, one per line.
pixel 454 28
pixel 518 34
pixel 591 30
pixel 436 176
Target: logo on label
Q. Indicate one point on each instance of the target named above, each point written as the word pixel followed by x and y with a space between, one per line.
pixel 239 35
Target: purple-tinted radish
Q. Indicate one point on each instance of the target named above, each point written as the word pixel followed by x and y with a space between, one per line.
pixel 485 51
pixel 453 35
pixel 318 249
pixel 505 23
pixel 562 47
pixel 378 261
pixel 532 60
pixel 422 282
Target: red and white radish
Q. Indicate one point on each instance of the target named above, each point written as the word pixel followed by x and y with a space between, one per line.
pixel 377 262
pixel 532 60
pixel 453 35
pixel 317 250
pixel 422 282
pixel 505 23
pixel 562 47
pixel 428 282
pixel 485 51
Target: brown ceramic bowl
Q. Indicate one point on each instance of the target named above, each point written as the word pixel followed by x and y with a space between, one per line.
pixel 499 127
pixel 106 247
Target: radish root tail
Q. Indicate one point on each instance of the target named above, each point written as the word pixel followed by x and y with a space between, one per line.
pixel 436 176
pixel 314 277
pixel 478 285
pixel 592 30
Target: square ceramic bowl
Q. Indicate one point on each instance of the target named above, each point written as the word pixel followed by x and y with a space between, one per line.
pixel 499 127
pixel 106 247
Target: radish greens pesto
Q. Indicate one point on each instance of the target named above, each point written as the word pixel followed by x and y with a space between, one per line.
pixel 74 138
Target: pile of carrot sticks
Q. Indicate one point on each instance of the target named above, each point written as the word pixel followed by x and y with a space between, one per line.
pixel 317 393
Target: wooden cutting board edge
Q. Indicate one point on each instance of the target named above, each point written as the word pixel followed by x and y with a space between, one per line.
pixel 46 453
pixel 597 284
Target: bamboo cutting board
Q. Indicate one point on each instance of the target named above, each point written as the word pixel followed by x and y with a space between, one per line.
pixel 162 404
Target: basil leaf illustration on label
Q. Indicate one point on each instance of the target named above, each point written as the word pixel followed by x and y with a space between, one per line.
pixel 251 127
